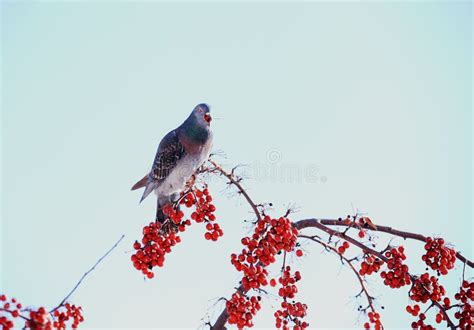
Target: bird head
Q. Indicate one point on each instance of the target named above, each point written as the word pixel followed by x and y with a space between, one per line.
pixel 202 113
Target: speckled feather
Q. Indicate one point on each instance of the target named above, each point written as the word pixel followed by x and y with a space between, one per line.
pixel 170 151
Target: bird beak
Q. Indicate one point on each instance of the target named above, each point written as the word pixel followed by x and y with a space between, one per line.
pixel 207 117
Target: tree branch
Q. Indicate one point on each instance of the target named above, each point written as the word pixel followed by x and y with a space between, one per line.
pixel 320 224
pixel 223 316
pixel 236 182
pixel 306 223
pixel 87 273
pixel 301 224
pixel 395 232
pixel 323 225
pixel 315 223
pixel 10 312
pixel 370 299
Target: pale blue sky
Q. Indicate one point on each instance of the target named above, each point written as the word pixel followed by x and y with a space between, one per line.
pixel 374 98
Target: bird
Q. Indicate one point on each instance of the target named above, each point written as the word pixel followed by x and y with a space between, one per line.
pixel 180 153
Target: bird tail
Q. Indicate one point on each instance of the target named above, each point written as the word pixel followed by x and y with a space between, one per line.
pixel 150 186
pixel 141 183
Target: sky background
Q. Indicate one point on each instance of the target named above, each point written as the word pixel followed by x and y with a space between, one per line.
pixel 370 101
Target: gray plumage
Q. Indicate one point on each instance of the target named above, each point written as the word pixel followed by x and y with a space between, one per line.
pixel 180 153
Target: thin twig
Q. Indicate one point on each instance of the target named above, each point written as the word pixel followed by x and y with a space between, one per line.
pixel 370 299
pixel 231 177
pixel 315 223
pixel 11 312
pixel 395 232
pixel 320 224
pixel 87 273
pixel 223 316
pixel 284 262
pixel 441 308
pixel 323 224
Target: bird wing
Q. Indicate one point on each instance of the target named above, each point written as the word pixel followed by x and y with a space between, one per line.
pixel 170 151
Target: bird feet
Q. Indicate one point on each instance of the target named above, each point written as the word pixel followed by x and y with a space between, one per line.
pixel 168 226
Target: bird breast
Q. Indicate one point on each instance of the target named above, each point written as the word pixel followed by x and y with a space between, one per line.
pixel 175 182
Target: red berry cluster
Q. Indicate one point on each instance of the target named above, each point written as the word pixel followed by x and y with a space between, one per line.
pixel 288 288
pixel 242 309
pixel 158 239
pixel 204 208
pixel 270 237
pixel 420 324
pixel 214 231
pixel 465 317
pixel 342 249
pixel 72 312
pixel 294 311
pixel 374 318
pixel 155 246
pixel 397 274
pixel 39 319
pixel 415 310
pixel 466 313
pixel 5 323
pixel 175 215
pixel 427 288
pixel 204 212
pixel 438 256
pixel 370 265
pixel 8 306
pixel 466 292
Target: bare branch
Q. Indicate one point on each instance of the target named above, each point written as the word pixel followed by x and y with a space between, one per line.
pixel 236 182
pixel 318 224
pixel 11 312
pixel 370 299
pixel 395 232
pixel 315 223
pixel 85 275
pixel 223 316
pixel 324 225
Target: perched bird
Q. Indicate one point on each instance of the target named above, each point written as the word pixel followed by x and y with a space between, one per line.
pixel 180 153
